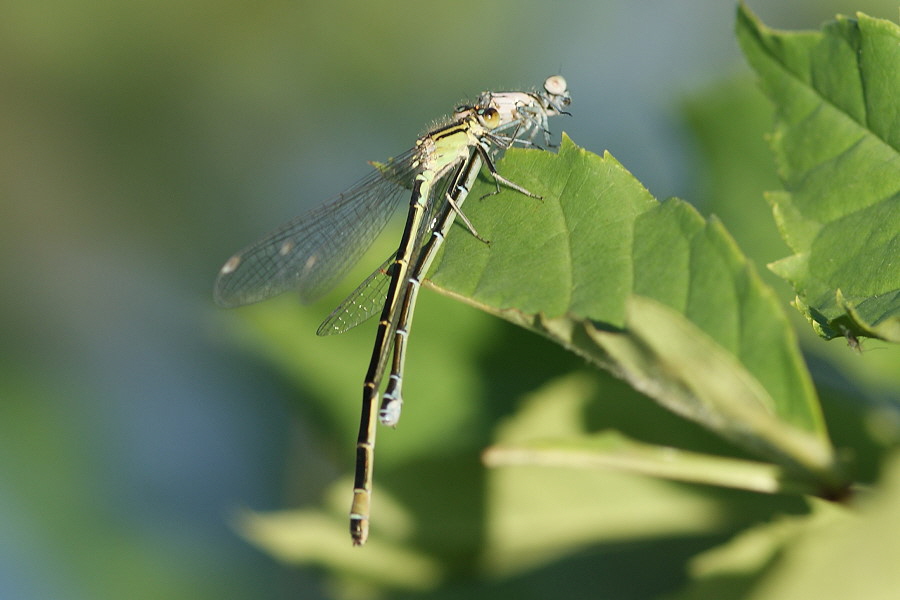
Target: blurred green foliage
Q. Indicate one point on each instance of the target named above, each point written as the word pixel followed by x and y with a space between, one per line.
pixel 145 142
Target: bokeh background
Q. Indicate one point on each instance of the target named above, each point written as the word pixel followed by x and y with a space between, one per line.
pixel 143 143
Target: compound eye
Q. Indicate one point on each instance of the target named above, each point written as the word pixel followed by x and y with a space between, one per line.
pixel 490 117
pixel 555 85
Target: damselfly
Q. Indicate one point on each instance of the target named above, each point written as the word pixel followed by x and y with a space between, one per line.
pixel 313 252
pixel 525 113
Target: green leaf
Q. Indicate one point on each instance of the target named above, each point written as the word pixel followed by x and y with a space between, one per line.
pixel 837 147
pixel 598 259
pixel 695 377
pixel 797 557
pixel 510 532
pixel 612 450
pixel 736 165
pixel 313 536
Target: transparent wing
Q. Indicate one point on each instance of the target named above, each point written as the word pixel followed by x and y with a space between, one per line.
pixel 362 304
pixel 369 296
pixel 314 251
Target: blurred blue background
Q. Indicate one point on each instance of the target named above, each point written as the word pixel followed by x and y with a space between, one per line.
pixel 143 143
